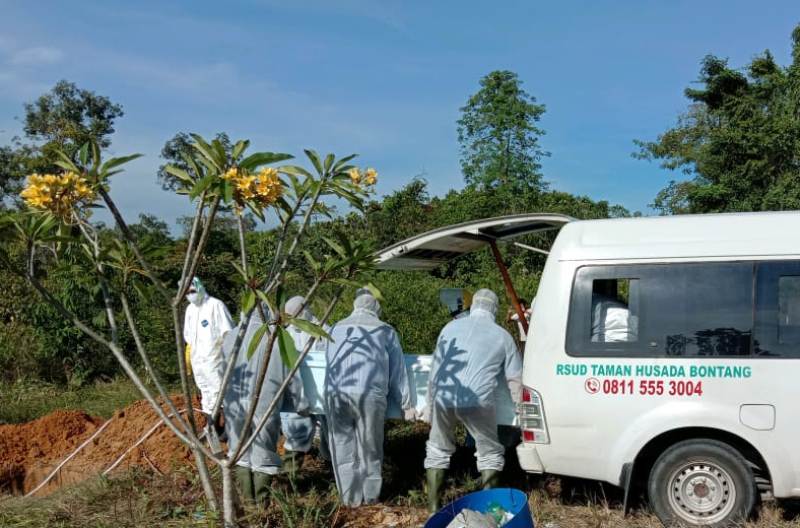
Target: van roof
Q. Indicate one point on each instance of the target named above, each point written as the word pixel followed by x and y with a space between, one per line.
pixel 682 236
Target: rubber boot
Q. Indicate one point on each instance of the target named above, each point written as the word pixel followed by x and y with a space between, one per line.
pixel 435 482
pixel 490 478
pixel 244 483
pixel 261 485
pixel 292 462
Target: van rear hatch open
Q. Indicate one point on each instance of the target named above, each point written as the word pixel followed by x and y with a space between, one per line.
pixel 439 246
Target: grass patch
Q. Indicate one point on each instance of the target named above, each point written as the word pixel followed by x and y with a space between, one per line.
pixel 23 401
pixel 135 499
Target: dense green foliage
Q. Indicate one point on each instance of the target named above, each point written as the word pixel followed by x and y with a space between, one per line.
pixel 739 140
pixel 498 134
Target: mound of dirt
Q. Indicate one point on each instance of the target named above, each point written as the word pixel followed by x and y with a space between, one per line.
pixel 40 443
pixel 30 451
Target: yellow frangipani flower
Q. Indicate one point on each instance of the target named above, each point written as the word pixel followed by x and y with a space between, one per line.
pixel 231 174
pixel 245 182
pixel 59 194
pixel 355 175
pixel 262 189
pixel 370 176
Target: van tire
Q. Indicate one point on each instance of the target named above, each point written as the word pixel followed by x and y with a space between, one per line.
pixel 702 482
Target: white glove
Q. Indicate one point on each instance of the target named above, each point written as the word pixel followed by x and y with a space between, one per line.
pixel 425 414
pixel 409 414
pixel 515 388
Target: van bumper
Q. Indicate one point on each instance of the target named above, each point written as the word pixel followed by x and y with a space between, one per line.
pixel 529 458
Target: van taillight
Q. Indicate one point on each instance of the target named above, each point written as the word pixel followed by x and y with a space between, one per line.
pixel 531 418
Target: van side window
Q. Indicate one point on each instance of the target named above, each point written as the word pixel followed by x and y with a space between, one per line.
pixel 662 310
pixel 789 310
pixel 778 309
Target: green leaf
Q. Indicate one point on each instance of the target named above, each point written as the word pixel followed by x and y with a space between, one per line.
pixel 116 162
pixel 257 337
pixel 66 162
pixel 66 166
pixel 347 282
pixel 239 147
pixel 296 171
pixel 314 157
pixel 280 296
pixel 336 247
pixel 206 150
pixel 83 154
pixel 374 291
pixel 248 301
pixel 227 191
pixel 202 185
pixel 191 163
pixel 256 211
pixel 311 262
pixel 329 161
pixel 341 162
pixel 265 300
pixel 258 159
pixel 310 328
pixel 179 173
pixel 288 351
pixel 238 268
pixel 96 158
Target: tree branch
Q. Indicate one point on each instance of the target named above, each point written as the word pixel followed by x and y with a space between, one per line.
pixel 195 262
pixel 148 366
pixel 282 389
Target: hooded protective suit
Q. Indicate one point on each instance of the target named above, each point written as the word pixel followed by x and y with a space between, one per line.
pixel 473 354
pixel 206 322
pixel 365 368
pixel 299 431
pixel 262 455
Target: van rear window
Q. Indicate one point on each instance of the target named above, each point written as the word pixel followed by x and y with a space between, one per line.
pixel 663 310
pixel 777 332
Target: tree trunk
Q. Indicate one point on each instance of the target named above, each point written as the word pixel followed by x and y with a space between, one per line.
pixel 228 494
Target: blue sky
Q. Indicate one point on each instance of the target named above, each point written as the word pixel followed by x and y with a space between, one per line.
pixel 384 79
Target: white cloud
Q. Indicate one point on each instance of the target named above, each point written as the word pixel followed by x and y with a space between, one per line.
pixel 35 56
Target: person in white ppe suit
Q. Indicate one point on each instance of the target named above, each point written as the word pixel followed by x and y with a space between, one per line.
pixel 365 369
pixel 472 356
pixel 299 431
pixel 206 322
pixel 612 319
pixel 261 461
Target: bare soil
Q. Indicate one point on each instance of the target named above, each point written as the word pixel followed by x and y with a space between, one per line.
pixel 30 451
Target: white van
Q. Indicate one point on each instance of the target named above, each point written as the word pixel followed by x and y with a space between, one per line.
pixel 665 352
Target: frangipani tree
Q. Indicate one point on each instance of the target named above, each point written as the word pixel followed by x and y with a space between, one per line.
pixel 57 225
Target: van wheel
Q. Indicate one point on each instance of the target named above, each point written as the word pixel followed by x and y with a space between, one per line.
pixel 701 483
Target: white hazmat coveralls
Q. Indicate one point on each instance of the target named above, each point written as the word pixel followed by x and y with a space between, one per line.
pixel 612 321
pixel 472 355
pixel 299 431
pixel 365 368
pixel 206 322
pixel 262 455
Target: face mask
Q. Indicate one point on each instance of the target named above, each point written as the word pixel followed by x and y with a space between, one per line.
pixel 193 298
